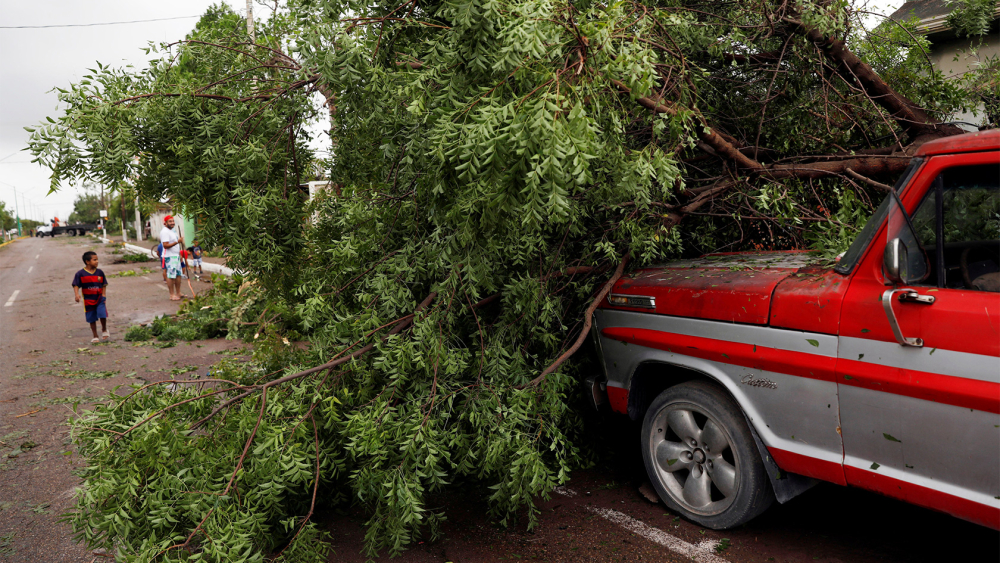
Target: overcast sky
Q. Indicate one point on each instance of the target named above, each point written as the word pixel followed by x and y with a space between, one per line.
pixel 34 61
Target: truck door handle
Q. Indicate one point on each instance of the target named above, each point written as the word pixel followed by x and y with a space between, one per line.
pixel 907 296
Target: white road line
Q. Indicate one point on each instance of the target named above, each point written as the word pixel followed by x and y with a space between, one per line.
pixel 30 269
pixel 702 552
pixel 13 296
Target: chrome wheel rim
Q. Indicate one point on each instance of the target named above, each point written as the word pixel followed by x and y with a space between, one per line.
pixel 694 459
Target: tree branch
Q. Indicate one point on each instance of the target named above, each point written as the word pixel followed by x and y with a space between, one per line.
pixel 587 322
pixel 706 133
pixel 918 124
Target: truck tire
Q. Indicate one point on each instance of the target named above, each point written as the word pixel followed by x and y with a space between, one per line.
pixel 701 457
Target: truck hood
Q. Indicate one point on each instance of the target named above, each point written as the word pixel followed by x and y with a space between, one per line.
pixel 737 287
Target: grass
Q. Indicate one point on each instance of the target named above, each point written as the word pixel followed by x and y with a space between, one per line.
pixel 132 273
pixel 62 401
pixel 7 544
pixel 83 374
pixel 134 257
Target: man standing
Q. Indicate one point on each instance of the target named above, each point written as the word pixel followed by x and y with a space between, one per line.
pixel 172 244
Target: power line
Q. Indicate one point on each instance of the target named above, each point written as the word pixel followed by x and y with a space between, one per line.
pixel 94 24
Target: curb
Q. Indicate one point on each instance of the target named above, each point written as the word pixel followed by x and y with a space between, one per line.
pixel 207 266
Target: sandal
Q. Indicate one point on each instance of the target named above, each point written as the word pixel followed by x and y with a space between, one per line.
pixel 105 336
pixel 95 340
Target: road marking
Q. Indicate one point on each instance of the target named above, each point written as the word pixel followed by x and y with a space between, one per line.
pixel 13 296
pixel 30 269
pixel 702 552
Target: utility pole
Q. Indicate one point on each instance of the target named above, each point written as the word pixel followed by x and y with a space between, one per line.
pixel 17 214
pixel 138 221
pixel 104 207
pixel 250 29
pixel 121 199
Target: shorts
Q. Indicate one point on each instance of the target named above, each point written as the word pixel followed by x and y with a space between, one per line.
pixel 99 312
pixel 173 266
pixel 196 262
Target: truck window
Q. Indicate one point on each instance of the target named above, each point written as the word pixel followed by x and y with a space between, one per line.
pixel 958 223
pixel 857 248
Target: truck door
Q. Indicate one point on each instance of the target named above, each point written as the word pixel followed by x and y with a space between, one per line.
pixel 918 370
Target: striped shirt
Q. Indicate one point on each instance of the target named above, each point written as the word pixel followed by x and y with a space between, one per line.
pixel 91 284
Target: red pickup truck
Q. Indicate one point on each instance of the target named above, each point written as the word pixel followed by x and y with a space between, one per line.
pixel 757 374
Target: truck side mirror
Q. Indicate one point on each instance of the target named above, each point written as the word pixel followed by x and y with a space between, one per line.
pixel 894 258
pixel 904 259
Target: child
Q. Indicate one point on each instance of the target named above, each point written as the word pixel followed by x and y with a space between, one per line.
pixel 185 272
pixel 196 257
pixel 163 263
pixel 92 282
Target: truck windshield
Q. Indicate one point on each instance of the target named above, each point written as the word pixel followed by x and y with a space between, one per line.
pixel 857 249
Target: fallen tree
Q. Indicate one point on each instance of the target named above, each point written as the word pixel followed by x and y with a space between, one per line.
pixel 495 164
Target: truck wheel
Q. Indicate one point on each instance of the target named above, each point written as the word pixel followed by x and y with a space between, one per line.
pixel 701 457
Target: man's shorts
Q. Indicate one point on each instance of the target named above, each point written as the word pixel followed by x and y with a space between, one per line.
pixel 196 262
pixel 99 312
pixel 173 264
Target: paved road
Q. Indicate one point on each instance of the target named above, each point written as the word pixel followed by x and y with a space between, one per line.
pixel 44 349
pixel 598 517
pixel 604 518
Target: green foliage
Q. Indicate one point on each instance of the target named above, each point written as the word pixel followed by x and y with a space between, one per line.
pixel 485 151
pixel 134 257
pixel 86 209
pixel 835 236
pixel 172 476
pixel 198 319
pixel 971 17
pixel 138 333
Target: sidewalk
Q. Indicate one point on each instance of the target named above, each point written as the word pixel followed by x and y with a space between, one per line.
pixel 12 240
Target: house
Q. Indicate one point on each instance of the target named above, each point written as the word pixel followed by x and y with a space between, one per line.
pixel 187 227
pixel 954 56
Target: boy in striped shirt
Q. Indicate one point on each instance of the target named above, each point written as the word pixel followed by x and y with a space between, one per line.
pixel 92 282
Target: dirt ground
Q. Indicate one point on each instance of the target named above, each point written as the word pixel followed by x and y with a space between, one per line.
pixel 47 364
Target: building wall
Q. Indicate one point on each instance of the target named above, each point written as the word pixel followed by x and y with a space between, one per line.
pixel 186 226
pixel 958 57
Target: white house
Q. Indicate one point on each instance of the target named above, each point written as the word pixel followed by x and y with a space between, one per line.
pixel 952 55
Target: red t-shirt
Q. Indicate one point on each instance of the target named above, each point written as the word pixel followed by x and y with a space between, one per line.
pixel 90 285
